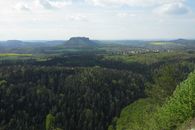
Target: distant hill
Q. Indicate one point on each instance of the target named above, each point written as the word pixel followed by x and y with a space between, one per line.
pixel 80 42
pixel 27 44
pixel 16 46
pixel 11 43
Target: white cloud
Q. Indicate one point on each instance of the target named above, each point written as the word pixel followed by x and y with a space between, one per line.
pixel 173 9
pixel 52 4
pixel 77 17
pixel 60 4
pixel 21 7
pixel 138 3
pixel 125 14
pixel 44 3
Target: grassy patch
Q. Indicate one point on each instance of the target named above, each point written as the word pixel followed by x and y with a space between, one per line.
pixel 14 55
pixel 161 43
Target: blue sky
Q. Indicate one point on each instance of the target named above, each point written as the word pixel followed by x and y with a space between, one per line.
pixel 97 19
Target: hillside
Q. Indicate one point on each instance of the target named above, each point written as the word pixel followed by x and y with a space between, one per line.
pixel 145 114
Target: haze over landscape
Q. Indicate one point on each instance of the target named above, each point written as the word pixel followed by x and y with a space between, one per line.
pixel 98 19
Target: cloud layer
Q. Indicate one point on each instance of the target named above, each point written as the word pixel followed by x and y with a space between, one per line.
pixel 139 3
pixel 53 4
pixel 168 7
pixel 22 7
pixel 106 19
pixel 173 9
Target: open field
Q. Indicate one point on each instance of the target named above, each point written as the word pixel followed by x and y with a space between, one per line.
pixel 14 55
pixel 161 43
pixel 150 58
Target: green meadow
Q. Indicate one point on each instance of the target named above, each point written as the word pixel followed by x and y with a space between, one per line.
pixel 162 43
pixel 14 55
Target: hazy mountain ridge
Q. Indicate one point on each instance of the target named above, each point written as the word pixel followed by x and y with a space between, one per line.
pixel 18 46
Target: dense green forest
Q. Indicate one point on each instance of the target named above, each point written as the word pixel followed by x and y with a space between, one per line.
pixel 78 98
pixel 97 90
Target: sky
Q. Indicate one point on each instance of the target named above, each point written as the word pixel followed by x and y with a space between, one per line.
pixel 97 19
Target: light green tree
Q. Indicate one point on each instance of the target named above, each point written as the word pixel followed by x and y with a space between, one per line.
pixel 50 120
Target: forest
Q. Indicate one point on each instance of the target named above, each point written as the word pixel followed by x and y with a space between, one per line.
pixel 97 88
pixel 97 64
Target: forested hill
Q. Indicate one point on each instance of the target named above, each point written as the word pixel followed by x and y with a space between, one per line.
pixel 174 113
pixel 77 98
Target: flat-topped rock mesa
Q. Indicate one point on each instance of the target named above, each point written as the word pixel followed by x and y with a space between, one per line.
pixel 80 42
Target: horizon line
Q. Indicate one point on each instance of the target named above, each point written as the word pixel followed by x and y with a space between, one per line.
pixel 125 39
